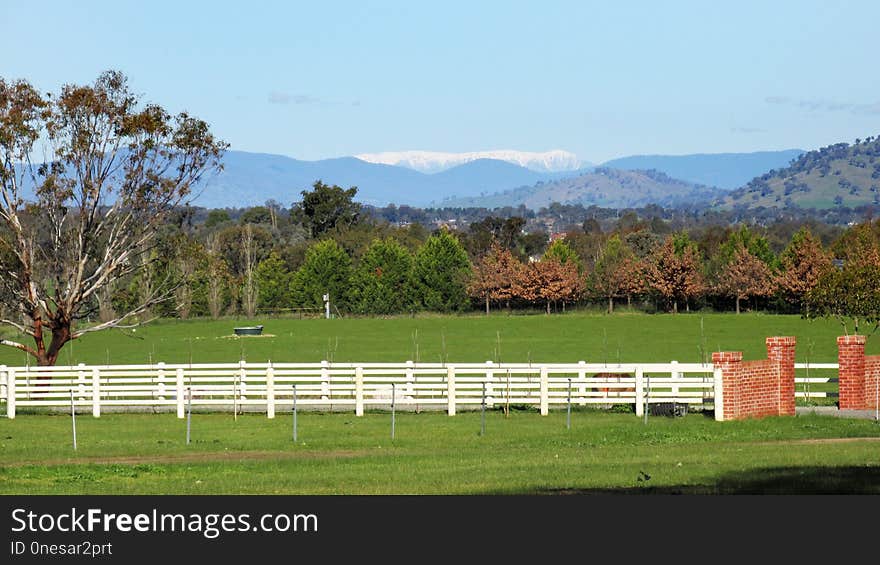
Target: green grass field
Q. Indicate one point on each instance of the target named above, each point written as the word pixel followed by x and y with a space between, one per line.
pixel 473 338
pixel 433 453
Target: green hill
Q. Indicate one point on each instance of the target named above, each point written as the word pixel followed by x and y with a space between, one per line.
pixel 602 186
pixel 837 175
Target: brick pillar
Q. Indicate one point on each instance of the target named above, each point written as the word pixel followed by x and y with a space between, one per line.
pixel 730 363
pixel 781 349
pixel 851 358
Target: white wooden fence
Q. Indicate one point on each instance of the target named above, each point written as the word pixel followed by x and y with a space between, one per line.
pixel 268 387
pixel 806 392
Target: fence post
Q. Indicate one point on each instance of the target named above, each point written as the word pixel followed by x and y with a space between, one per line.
pixel 450 390
pixel 640 392
pixel 10 393
pixel 270 392
pixel 359 391
pixel 161 380
pixel 545 392
pixel 2 382
pixel 490 390
pixel 180 393
pixel 325 381
pixel 242 381
pixel 718 378
pixel 582 389
pixel 676 374
pixel 96 392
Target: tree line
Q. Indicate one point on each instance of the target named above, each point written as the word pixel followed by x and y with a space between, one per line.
pixel 275 260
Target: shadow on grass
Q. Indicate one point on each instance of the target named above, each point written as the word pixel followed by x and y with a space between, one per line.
pixel 773 480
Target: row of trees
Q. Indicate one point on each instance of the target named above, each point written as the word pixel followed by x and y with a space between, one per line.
pixel 391 275
pixel 673 273
pixel 388 278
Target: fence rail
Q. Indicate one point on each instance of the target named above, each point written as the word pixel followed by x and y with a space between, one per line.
pixel 802 384
pixel 271 386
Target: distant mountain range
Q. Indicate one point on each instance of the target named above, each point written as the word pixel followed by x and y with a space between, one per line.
pixel 435 161
pixel 605 187
pixel 724 170
pixel 250 179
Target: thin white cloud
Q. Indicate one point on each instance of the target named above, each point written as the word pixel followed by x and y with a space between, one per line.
pixel 285 98
pixel 818 105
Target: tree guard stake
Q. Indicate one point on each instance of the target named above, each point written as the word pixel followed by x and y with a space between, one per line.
pixel 568 412
pixel 189 396
pixel 73 419
pixel 393 394
pixel 483 412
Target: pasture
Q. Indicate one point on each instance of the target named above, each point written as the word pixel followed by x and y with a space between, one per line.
pixel 337 453
pixel 595 338
pixel 433 453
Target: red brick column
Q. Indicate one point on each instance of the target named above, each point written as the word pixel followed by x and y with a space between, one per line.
pixel 730 363
pixel 781 349
pixel 851 359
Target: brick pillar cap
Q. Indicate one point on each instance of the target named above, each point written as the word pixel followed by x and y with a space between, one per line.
pixel 851 340
pixel 781 340
pixel 726 356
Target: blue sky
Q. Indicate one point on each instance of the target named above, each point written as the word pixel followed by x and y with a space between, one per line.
pixel 604 79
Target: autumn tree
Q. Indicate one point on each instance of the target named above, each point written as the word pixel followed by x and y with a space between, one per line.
pixel 673 271
pixel 745 276
pixel 494 275
pixel 860 244
pixel 85 218
pixel 802 263
pixel 631 277
pixel 548 282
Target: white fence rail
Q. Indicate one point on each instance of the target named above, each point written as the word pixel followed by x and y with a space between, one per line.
pixel 269 387
pixel 805 381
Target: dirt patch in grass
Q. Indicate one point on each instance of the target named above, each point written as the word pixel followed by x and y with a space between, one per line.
pixel 209 457
pixel 823 440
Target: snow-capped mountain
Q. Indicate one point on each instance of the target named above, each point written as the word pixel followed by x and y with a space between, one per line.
pixel 435 161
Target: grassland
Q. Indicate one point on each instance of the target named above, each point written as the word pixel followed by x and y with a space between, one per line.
pixel 472 338
pixel 433 453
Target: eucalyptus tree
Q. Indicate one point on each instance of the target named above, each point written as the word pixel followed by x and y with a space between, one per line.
pixel 87 179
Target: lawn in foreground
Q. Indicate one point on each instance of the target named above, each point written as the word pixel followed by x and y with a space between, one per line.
pixel 592 337
pixel 436 454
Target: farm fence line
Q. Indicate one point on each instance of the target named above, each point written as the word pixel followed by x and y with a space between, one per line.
pixel 269 387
